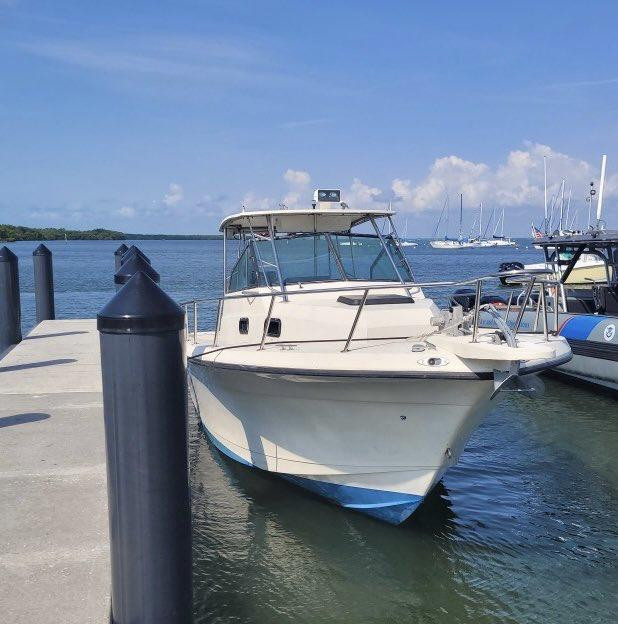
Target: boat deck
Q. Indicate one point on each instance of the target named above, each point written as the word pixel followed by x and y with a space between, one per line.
pixel 54 561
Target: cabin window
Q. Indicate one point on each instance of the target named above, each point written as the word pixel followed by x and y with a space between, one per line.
pixel 274 328
pixel 246 273
pixel 305 258
pixel 364 258
pixel 243 325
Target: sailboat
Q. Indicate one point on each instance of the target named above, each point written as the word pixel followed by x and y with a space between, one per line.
pixel 482 241
pixel 405 241
pixel 446 242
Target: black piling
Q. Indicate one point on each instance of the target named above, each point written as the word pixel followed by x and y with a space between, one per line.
pixel 10 308
pixel 129 268
pixel 145 411
pixel 43 283
pixel 118 255
pixel 133 251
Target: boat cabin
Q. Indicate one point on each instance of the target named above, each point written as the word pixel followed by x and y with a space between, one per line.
pixel 311 267
pixel 278 249
pixel 589 291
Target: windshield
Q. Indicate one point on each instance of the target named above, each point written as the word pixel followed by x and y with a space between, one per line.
pixel 313 258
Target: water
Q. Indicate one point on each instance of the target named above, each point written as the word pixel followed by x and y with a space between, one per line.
pixel 523 529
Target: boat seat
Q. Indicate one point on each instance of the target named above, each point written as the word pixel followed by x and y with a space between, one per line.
pixel 355 300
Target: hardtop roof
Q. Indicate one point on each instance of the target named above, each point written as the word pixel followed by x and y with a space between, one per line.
pixel 306 220
pixel 597 238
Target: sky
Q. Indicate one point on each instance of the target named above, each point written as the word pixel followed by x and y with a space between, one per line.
pixel 162 117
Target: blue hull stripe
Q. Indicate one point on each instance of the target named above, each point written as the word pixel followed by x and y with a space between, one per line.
pixel 579 327
pixel 391 507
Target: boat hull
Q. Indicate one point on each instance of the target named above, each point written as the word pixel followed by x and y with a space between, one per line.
pixel 373 445
pixel 593 339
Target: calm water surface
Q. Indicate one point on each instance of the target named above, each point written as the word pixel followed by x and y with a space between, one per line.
pixel 523 529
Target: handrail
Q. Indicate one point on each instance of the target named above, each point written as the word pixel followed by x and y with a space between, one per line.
pixel 362 285
pixel 358 313
pixel 532 282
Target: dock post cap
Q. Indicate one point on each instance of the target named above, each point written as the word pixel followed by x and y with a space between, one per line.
pixel 140 307
pixel 41 250
pixel 121 250
pixel 134 250
pixel 6 255
pixel 134 264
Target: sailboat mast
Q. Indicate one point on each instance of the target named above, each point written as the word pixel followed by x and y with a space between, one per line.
pixel 460 213
pixel 545 188
pixel 561 206
pixel 480 219
pixel 601 188
pixel 568 208
pixel 502 228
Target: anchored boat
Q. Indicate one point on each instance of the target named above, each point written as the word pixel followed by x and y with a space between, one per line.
pixel 331 367
pixel 583 305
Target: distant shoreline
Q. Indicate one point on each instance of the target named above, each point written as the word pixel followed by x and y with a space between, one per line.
pixel 20 233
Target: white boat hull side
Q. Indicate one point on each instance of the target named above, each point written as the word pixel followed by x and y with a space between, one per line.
pixel 373 445
pixel 592 338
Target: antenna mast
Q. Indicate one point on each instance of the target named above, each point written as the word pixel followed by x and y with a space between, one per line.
pixel 601 188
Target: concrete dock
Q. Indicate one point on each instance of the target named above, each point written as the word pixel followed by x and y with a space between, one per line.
pixel 54 545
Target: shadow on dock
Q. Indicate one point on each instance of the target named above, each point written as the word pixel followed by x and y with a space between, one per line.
pixel 16 367
pixel 22 419
pixel 69 333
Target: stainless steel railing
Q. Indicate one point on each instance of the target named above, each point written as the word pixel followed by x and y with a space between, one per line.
pixel 522 277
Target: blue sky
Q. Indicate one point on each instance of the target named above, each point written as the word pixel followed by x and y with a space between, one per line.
pixel 162 117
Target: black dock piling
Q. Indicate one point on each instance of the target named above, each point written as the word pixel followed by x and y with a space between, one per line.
pixel 145 410
pixel 43 283
pixel 10 307
pixel 118 255
pixel 133 251
pixel 129 268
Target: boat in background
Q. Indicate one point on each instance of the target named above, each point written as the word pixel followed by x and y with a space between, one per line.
pixel 589 266
pixel 446 242
pixel 331 367
pixel 584 305
pixel 482 241
pixel 405 241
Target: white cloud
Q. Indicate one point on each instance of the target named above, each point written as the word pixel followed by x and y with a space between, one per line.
pixel 174 196
pixel 516 182
pixel 402 189
pixel 296 178
pixel 128 212
pixel 251 202
pixel 361 195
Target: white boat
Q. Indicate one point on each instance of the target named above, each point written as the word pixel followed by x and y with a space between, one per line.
pixel 584 305
pixel 331 368
pixel 451 243
pixel 497 240
pixel 446 242
pixel 405 241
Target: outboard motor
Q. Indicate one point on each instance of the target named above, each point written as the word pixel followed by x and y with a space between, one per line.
pixel 509 266
pixel 466 298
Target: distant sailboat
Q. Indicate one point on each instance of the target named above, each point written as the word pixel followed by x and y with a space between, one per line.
pixel 405 241
pixel 446 242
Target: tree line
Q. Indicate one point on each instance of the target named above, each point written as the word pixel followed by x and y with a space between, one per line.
pixel 11 233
